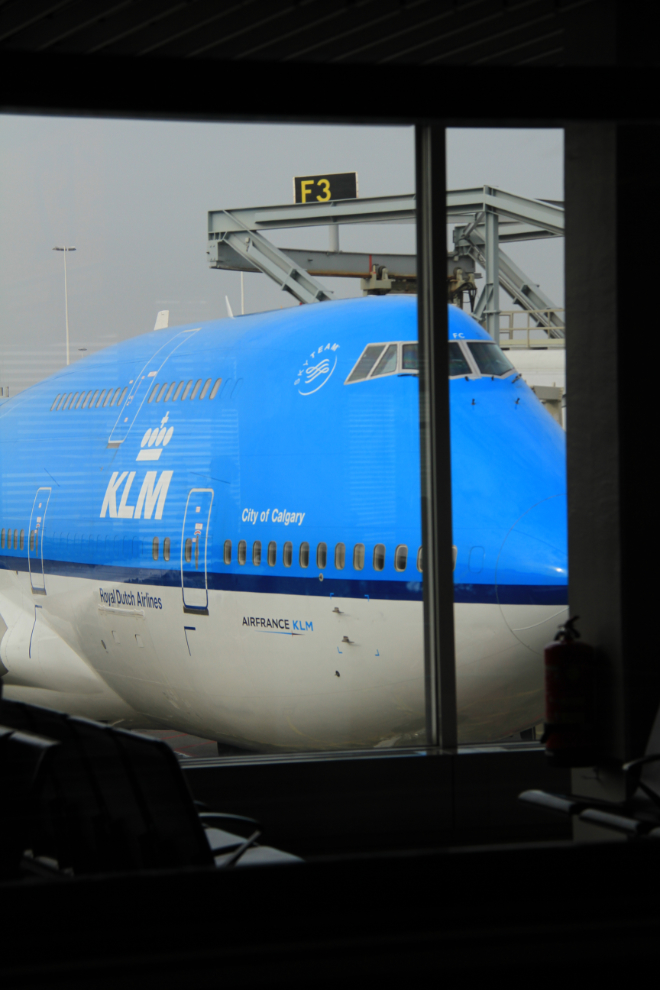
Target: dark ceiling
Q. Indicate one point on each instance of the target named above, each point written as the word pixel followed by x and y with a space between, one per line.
pixel 377 32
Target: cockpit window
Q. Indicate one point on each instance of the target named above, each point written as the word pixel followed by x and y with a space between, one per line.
pixel 410 361
pixel 366 363
pixel 387 363
pixel 458 364
pixel 490 359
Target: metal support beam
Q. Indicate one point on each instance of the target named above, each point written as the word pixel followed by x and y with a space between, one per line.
pixel 492 287
pixel 521 218
pixel 268 259
pixel 440 667
pixel 521 288
pixel 514 218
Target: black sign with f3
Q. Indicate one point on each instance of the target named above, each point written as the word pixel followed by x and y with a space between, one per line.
pixel 323 188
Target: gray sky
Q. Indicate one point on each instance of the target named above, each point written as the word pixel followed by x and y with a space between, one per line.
pixel 132 196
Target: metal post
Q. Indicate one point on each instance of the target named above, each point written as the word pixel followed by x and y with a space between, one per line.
pixel 242 294
pixel 439 661
pixel 66 309
pixel 64 248
pixel 492 274
pixel 333 231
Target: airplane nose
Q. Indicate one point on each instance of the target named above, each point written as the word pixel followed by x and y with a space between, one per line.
pixel 531 574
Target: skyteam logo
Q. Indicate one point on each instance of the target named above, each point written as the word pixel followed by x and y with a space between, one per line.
pixel 155 440
pixel 317 369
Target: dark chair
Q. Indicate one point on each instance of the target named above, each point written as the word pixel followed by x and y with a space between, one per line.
pixel 88 798
pixel 636 817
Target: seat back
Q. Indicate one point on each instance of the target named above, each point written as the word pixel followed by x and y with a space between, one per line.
pixel 108 799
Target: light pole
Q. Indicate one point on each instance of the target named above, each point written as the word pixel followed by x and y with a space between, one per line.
pixel 66 298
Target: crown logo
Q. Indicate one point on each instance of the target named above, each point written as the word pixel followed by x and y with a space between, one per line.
pixel 154 440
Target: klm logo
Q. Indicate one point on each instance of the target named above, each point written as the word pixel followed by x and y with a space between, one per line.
pixel 154 441
pixel 152 495
pixel 301 625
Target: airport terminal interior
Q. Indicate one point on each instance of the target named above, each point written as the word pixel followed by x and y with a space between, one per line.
pixel 354 680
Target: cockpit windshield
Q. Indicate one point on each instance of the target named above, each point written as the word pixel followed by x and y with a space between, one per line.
pixel 490 359
pixel 471 358
pixel 458 362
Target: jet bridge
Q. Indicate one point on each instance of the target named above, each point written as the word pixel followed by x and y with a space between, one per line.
pixel 238 241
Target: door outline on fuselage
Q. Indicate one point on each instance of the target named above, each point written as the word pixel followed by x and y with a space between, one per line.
pixel 196 520
pixel 142 384
pixel 36 540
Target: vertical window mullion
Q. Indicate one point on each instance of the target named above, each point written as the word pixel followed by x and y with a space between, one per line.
pixel 439 656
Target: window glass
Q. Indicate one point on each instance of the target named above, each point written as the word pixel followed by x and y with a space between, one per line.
pixel 366 363
pixel 379 556
pixel 410 359
pixel 59 396
pixel 22 539
pixel 32 535
pixel 275 454
pixel 419 560
pixel 2 538
pixel 15 539
pixel 454 555
pixel 490 359
pixel 387 363
pixel 458 363
pixel 400 558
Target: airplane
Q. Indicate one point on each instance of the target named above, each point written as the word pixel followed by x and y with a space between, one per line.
pixel 216 528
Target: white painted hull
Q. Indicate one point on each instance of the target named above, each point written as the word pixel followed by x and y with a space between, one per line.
pixel 351 677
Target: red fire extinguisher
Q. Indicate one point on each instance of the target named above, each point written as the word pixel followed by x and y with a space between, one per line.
pixel 570 699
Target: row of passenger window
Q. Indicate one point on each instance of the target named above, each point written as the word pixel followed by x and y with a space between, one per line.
pixel 304 553
pixel 93 399
pixel 99 398
pixel 171 391
pixel 12 536
pixel 15 537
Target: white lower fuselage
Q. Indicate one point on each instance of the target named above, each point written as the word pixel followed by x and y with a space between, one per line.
pixel 266 671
